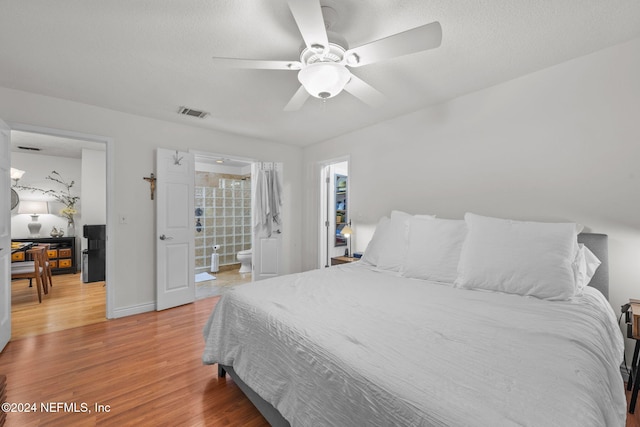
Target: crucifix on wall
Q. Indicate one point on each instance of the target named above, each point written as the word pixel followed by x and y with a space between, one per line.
pixel 152 182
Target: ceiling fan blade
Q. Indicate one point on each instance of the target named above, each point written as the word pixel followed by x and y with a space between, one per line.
pixel 308 16
pixel 256 64
pixel 364 92
pixel 297 101
pixel 418 39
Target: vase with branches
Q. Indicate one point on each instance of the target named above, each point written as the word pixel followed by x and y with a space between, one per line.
pixel 63 196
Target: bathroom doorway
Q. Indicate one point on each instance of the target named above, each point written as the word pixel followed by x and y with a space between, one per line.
pixel 223 232
pixel 334 210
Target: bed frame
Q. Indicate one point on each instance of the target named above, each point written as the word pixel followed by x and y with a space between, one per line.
pixel 271 414
pixel 597 243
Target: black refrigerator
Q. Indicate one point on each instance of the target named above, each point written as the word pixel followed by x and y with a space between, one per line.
pixel 95 255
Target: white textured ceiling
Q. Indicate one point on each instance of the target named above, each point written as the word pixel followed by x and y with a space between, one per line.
pixel 150 57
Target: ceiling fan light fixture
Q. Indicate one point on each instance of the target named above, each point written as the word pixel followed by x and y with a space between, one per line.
pixel 324 79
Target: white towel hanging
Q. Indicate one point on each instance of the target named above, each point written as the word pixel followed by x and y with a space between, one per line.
pixel 267 201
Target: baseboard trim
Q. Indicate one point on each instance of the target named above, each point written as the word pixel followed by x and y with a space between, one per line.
pixel 134 309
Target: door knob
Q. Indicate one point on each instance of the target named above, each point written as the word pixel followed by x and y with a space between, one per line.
pixel 163 237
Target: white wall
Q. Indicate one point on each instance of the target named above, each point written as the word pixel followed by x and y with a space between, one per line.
pixel 94 193
pixel 37 167
pixel 135 138
pixel 94 187
pixel 561 144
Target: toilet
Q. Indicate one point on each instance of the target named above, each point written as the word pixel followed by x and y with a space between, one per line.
pixel 245 261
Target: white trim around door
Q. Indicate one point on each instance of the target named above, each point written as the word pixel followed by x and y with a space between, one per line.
pixel 111 216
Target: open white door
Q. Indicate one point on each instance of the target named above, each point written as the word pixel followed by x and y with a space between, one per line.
pixel 325 223
pixel 267 241
pixel 5 237
pixel 175 224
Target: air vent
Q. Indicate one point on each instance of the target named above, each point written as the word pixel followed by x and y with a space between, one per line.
pixel 22 147
pixel 193 113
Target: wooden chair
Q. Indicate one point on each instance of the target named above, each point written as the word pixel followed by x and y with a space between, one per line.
pixel 48 279
pixel 32 269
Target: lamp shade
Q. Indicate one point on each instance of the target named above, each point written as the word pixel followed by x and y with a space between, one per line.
pixel 346 231
pixel 33 207
pixel 324 79
pixel 16 173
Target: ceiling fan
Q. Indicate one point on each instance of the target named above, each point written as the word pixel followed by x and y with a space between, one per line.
pixel 322 68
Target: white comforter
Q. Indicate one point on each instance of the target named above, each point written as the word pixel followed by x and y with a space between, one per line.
pixel 350 346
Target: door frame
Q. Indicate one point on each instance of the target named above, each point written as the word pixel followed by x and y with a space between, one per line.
pixel 323 205
pixel 249 161
pixel 111 216
pixel 5 236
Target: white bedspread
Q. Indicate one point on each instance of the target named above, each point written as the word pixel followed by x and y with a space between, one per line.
pixel 350 346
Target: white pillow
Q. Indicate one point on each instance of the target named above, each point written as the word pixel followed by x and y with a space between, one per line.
pixel 518 257
pixel 592 264
pixel 434 249
pixel 586 264
pixel 372 252
pixel 394 249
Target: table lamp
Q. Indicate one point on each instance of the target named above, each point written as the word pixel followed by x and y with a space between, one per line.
pixel 33 208
pixel 347 232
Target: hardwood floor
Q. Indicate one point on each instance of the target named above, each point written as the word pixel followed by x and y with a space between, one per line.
pixel 70 303
pixel 147 368
pixel 633 420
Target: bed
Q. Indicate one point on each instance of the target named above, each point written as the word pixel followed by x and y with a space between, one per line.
pixel 357 344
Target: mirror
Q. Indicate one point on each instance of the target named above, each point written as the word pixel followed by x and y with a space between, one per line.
pixel 15 199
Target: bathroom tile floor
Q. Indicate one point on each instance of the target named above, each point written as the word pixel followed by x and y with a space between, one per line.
pixel 224 281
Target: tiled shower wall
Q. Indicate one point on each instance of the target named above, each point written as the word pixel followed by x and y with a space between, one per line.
pixel 224 204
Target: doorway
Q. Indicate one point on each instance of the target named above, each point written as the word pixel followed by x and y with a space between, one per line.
pixel 223 232
pixel 66 156
pixel 334 210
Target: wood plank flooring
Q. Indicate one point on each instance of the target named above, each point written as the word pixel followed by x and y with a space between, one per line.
pixel 633 420
pixel 147 368
pixel 70 303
